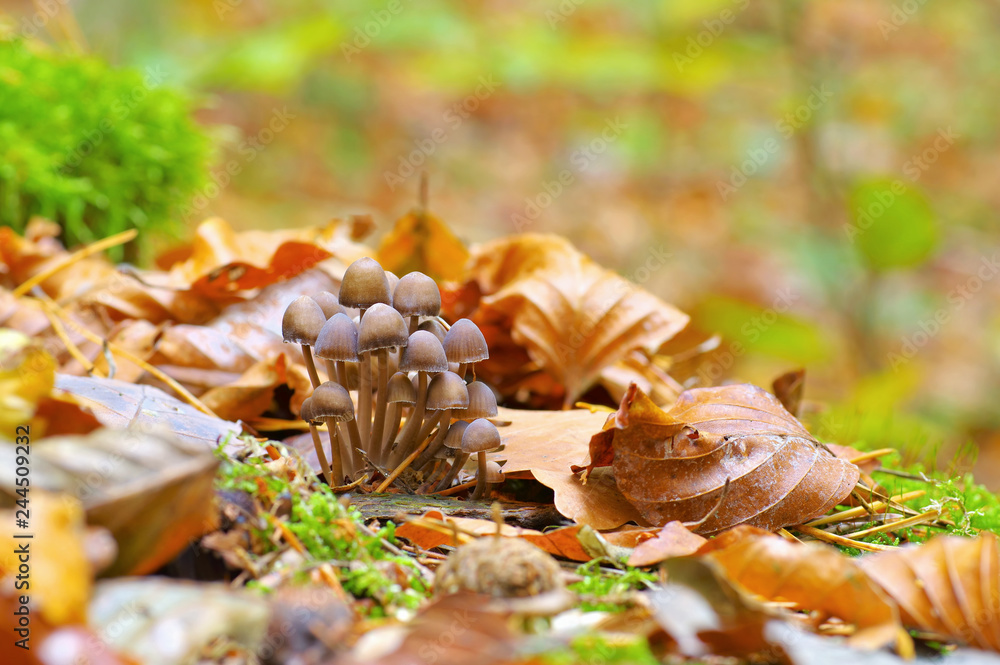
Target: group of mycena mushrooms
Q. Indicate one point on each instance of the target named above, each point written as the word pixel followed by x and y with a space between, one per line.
pixel 405 362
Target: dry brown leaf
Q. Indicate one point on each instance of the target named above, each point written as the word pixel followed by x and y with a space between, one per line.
pixel 421 242
pixel 551 440
pixel 673 540
pixel 120 405
pixel 433 529
pixel 674 465
pixel 812 576
pixel 598 503
pixel 574 318
pixel 949 586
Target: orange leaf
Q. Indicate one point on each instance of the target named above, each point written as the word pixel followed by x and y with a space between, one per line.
pixel 422 242
pixel 673 540
pixel 949 586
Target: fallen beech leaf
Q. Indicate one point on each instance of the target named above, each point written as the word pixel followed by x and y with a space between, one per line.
pixel 788 388
pixel 421 242
pixel 813 577
pixel 673 540
pixel 674 465
pixel 597 503
pixel 120 405
pixel 551 440
pixel 574 318
pixel 433 529
pixel 24 257
pixel 61 576
pixel 949 586
pixel 152 493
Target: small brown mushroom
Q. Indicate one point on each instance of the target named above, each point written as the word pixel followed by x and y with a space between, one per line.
pixel 416 295
pixel 446 394
pixel 494 476
pixel 364 285
pixel 331 403
pixel 307 413
pixel 301 323
pixel 480 437
pixel 328 303
pixel 465 344
pixel 424 355
pixel 453 441
pixel 434 326
pixel 401 392
pixel 482 402
pixel 337 343
pixel 382 328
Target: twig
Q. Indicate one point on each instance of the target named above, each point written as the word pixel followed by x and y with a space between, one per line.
pixel 402 466
pixel 819 534
pixel 70 259
pixel 898 524
pixel 864 457
pixel 73 349
pixel 877 506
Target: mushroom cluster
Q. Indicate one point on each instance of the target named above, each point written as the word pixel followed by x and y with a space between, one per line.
pixel 396 394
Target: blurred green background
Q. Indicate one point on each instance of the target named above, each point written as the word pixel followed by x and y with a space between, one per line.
pixel 823 173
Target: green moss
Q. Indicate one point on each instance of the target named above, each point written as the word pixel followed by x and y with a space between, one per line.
pixel 331 532
pixel 96 149
pixel 961 500
pixel 600 585
pixel 595 648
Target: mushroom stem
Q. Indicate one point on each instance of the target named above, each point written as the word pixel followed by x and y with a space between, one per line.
pixel 443 417
pixel 320 455
pixel 354 437
pixel 378 427
pixel 335 453
pixel 342 374
pixel 463 369
pixel 392 418
pixel 414 324
pixel 331 371
pixel 480 477
pixel 456 466
pixel 310 365
pixel 409 433
pixel 365 399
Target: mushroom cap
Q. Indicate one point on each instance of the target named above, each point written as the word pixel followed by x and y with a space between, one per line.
pixel 465 343
pixel 482 402
pixel 400 389
pixel 338 339
pixel 328 303
pixel 330 400
pixel 453 439
pixel 302 321
pixel 480 436
pixel 447 391
pixel 417 295
pixel 364 284
pixel 381 327
pixel 423 353
pixel 306 410
pixel 494 474
pixel 393 281
pixel 434 326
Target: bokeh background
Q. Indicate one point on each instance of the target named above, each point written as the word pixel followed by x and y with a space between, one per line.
pixel 822 174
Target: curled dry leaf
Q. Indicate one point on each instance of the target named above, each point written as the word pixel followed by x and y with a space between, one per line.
pixel 674 465
pixel 422 242
pixel 949 586
pixel 574 318
pixel 813 577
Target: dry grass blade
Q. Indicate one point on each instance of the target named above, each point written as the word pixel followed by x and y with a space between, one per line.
pixel 834 539
pixel 70 259
pixel 859 511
